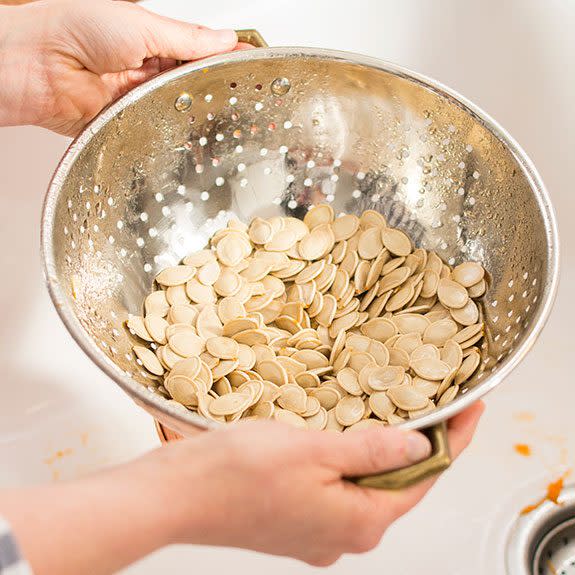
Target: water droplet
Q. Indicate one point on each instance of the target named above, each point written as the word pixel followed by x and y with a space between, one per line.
pixel 183 102
pixel 280 86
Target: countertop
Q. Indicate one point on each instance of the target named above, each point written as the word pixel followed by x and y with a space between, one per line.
pixel 60 417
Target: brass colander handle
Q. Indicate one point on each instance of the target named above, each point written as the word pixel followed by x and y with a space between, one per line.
pixel 438 461
pixel 252 37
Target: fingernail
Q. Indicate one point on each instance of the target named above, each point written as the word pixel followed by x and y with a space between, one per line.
pixel 417 447
pixel 225 36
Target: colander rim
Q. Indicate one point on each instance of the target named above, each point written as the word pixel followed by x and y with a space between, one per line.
pixel 155 402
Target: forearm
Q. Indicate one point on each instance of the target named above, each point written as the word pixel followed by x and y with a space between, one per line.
pixel 93 526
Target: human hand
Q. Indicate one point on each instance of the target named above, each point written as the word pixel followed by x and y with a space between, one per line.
pixel 278 490
pixel 62 61
pixel 257 485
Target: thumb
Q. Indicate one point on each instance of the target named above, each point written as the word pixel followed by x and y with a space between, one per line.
pixel 374 450
pixel 168 38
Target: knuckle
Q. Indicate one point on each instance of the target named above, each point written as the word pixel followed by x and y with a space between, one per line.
pixel 366 540
pixel 314 446
pixel 365 526
pixel 375 450
pixel 323 561
pixel 404 502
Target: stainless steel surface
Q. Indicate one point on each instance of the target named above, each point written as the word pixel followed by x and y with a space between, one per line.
pixel 543 541
pixel 146 183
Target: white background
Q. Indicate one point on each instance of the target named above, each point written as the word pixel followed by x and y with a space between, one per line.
pixel 60 417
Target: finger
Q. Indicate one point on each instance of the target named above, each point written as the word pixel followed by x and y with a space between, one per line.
pixel 167 64
pixel 121 82
pixel 373 450
pixel 461 428
pixel 460 432
pixel 168 38
pixel 244 46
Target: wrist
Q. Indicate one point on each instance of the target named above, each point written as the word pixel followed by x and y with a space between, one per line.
pixel 161 483
pixel 186 484
pixel 21 65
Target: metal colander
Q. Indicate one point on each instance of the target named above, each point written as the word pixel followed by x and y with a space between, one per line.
pixel 271 132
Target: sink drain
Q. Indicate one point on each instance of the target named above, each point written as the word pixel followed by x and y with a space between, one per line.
pixel 543 541
pixel 555 554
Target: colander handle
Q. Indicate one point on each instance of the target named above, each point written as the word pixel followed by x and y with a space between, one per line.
pixel 438 461
pixel 252 37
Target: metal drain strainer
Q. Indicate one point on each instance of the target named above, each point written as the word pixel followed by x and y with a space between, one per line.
pixel 543 542
pixel 556 553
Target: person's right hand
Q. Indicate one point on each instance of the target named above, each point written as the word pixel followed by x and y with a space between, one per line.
pixel 279 490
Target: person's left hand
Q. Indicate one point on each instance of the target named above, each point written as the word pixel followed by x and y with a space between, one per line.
pixel 62 61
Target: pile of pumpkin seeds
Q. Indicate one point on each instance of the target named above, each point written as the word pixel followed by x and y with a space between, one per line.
pixel 325 323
